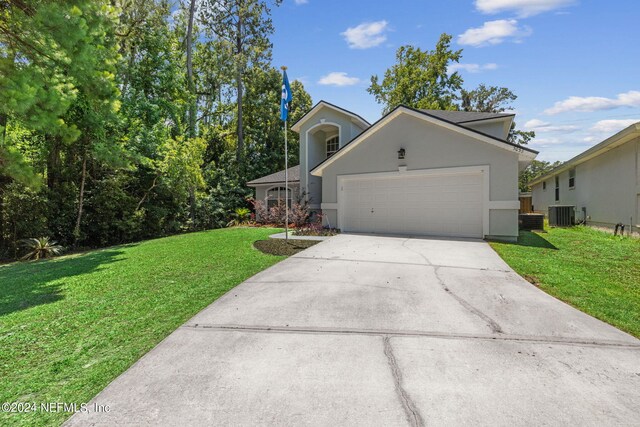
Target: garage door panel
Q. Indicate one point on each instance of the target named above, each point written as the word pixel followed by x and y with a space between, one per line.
pixel 448 205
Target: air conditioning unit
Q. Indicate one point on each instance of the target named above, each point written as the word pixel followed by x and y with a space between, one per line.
pixel 562 216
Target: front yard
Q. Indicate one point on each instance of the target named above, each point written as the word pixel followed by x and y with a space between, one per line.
pixel 69 326
pixel 593 271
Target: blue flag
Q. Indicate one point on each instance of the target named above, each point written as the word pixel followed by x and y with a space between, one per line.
pixel 286 97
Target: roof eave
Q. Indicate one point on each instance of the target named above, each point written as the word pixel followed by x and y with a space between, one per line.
pixel 258 184
pixel 610 143
pixel 500 118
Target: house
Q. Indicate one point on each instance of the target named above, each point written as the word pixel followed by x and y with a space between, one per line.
pixel 602 183
pixel 414 172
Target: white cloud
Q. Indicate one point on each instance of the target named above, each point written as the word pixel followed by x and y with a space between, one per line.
pixel 494 32
pixel 522 8
pixel 472 68
pixel 541 126
pixel 338 78
pixel 612 126
pixel 595 103
pixel 546 142
pixel 366 35
pixel 299 2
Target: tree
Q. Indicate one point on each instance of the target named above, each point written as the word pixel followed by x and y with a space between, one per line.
pixel 57 75
pixel 535 169
pixel 113 125
pixel 494 99
pixel 520 137
pixel 242 27
pixel 265 134
pixel 419 79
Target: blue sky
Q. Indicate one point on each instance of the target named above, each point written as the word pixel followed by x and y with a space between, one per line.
pixel 574 64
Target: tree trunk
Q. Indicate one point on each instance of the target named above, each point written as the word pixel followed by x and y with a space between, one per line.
pixel 193 103
pixel 53 162
pixel 83 179
pixel 3 182
pixel 3 131
pixel 146 194
pixel 240 146
pixel 4 244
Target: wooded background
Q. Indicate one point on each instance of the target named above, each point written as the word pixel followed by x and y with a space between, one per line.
pixel 124 120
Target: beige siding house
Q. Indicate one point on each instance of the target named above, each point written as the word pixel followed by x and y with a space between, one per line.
pixel 413 172
pixel 602 183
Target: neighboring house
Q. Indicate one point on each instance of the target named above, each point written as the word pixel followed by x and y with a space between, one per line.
pixel 603 183
pixel 413 172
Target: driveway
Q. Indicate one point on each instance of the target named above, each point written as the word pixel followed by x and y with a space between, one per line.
pixel 372 330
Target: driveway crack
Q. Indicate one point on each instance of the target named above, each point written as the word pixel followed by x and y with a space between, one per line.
pixel 413 415
pixel 404 245
pixel 495 326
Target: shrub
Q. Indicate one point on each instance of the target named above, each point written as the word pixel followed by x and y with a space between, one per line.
pixel 240 216
pixel 299 214
pixel 41 247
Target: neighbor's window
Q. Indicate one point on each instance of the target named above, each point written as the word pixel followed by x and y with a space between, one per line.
pixel 277 195
pixel 544 185
pixel 572 178
pixel 332 146
pixel 557 188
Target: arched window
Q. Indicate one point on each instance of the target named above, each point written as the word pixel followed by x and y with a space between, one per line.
pixel 277 195
pixel 332 145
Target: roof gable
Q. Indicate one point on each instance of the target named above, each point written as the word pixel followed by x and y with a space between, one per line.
pixel 523 152
pixel 467 116
pixel 324 104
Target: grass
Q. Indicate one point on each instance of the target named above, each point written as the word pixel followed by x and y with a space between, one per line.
pixel 282 247
pixel 69 326
pixel 593 271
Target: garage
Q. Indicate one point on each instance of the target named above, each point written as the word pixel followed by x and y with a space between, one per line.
pixel 418 172
pixel 437 203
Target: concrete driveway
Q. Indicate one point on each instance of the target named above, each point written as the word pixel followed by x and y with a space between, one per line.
pixel 371 330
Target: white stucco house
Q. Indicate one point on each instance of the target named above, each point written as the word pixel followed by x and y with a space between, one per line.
pixel 602 183
pixel 413 172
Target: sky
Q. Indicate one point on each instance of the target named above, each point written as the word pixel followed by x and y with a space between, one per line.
pixel 574 64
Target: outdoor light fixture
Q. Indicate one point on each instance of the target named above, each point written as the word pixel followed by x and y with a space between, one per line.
pixel 401 154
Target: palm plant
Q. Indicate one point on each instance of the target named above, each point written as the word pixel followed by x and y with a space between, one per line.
pixel 41 247
pixel 240 216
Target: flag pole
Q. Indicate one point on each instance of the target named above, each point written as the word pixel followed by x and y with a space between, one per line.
pixel 286 179
pixel 286 186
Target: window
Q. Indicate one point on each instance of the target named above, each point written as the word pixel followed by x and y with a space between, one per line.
pixel 557 188
pixel 276 195
pixel 572 178
pixel 544 185
pixel 332 145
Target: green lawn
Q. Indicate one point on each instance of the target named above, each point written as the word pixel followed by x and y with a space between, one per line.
pixel 595 272
pixel 71 325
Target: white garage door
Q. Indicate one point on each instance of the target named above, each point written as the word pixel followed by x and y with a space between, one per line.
pixel 439 205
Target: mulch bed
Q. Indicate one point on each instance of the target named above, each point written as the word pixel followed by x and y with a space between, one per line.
pixel 282 247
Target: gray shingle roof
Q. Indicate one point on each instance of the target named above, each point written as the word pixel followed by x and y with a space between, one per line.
pixel 294 176
pixel 464 116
